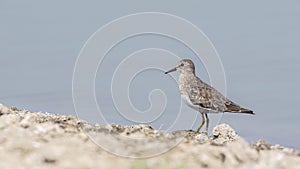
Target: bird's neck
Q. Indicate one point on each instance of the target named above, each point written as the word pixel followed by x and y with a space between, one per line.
pixel 187 74
pixel 184 81
pixel 184 77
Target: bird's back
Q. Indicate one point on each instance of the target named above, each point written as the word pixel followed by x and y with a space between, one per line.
pixel 205 96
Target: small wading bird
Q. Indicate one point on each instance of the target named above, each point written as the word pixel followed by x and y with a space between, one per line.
pixel 201 96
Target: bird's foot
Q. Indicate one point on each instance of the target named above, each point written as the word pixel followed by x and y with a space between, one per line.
pixel 202 137
pixel 205 132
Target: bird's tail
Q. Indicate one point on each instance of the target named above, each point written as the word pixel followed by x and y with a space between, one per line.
pixel 247 111
pixel 234 108
pixel 241 110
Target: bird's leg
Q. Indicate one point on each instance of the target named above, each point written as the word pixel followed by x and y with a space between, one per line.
pixel 202 123
pixel 207 123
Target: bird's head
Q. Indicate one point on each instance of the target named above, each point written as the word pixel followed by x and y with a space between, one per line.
pixel 184 66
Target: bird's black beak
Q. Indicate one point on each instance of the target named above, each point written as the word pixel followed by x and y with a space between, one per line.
pixel 172 70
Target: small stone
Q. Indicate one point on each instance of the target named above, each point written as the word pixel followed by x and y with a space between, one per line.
pixel 14 109
pixel 49 161
pixel 202 138
pixel 27 121
pixel 262 145
pixel 4 110
pixel 223 133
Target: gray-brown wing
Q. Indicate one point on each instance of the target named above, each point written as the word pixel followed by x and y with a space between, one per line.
pixel 207 97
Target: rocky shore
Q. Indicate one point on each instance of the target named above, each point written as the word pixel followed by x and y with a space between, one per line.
pixel 39 140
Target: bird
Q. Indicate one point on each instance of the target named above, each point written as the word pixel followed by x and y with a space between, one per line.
pixel 202 97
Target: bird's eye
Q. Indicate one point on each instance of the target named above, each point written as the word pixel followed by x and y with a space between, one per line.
pixel 181 64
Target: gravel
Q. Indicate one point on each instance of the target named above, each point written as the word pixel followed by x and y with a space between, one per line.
pixel 42 140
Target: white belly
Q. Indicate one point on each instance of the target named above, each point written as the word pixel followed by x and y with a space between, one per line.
pixel 189 103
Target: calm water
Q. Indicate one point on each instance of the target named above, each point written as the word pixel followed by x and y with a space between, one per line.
pixel 258 42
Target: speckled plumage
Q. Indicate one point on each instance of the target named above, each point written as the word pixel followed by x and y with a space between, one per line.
pixel 201 96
